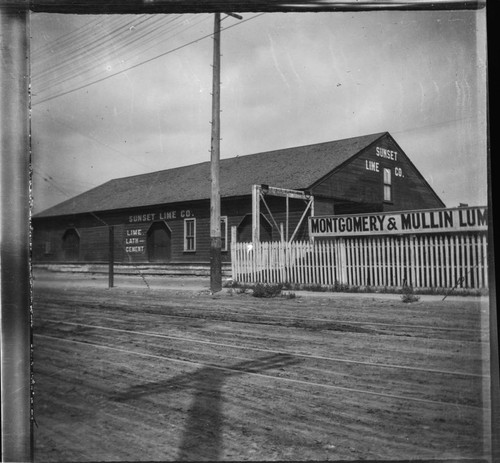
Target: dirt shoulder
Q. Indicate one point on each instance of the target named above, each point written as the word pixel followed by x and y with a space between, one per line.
pixel 174 373
pixel 45 278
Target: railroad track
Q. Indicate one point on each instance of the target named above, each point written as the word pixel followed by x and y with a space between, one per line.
pixel 330 372
pixel 336 381
pixel 327 324
pixel 281 352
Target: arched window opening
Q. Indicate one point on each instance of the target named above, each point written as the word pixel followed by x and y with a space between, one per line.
pixel 71 245
pixel 244 229
pixel 159 242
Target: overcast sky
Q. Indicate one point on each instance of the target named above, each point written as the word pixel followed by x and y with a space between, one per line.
pixel 115 96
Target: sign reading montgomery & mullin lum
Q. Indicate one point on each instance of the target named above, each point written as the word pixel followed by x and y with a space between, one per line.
pixel 471 219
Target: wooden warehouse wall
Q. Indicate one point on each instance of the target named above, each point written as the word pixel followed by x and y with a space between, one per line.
pixel 92 229
pixel 361 181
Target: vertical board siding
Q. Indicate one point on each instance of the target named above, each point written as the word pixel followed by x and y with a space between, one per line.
pixel 423 261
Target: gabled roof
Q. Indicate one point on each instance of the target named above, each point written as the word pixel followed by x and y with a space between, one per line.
pixel 294 168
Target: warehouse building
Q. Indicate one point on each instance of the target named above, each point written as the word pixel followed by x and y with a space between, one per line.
pixel 164 217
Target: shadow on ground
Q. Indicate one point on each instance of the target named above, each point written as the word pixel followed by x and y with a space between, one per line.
pixel 202 435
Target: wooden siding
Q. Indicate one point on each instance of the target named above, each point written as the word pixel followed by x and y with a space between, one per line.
pixel 360 182
pixel 93 230
pixel 354 187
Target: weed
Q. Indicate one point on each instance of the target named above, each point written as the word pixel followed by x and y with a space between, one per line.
pixel 266 290
pixel 408 294
pixel 317 287
pixel 340 287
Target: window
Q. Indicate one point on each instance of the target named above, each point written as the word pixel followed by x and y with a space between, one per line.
pixel 223 233
pixel 387 185
pixel 189 235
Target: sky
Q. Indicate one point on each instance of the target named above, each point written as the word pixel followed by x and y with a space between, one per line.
pixel 121 95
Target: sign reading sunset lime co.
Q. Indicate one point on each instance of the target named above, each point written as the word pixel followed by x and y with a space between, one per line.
pixel 405 222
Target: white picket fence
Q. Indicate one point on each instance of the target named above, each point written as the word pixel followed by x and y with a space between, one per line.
pixel 423 261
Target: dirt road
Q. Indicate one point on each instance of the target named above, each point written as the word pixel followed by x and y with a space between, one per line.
pixel 170 373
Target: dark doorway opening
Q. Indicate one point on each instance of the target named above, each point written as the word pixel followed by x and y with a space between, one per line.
pixel 159 243
pixel 71 245
pixel 244 229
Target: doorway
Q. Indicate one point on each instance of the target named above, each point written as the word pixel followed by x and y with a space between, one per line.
pixel 71 245
pixel 159 243
pixel 244 229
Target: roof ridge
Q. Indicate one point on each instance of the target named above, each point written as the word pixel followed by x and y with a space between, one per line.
pixel 310 145
pixel 246 155
pixel 155 172
pixel 295 166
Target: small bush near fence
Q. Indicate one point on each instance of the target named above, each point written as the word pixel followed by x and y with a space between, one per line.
pixel 261 290
pixel 408 294
pixel 316 287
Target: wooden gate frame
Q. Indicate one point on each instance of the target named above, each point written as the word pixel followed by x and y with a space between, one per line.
pixel 258 194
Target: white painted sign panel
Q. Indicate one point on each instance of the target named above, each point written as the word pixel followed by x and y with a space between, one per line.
pixel 397 223
pixel 135 240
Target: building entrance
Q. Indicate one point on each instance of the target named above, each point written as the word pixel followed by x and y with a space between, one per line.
pixel 71 245
pixel 159 243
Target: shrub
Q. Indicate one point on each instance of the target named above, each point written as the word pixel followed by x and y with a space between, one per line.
pixel 317 287
pixel 340 287
pixel 230 283
pixel 408 294
pixel 262 290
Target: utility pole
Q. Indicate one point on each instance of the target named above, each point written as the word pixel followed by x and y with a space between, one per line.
pixel 215 235
pixel 111 256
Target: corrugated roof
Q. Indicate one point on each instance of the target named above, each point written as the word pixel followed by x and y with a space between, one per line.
pixel 294 168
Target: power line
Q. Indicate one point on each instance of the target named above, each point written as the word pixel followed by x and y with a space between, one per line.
pixel 84 49
pixel 141 63
pixel 107 49
pixel 68 37
pixel 147 36
pixel 77 44
pixel 94 62
pixel 153 39
pixel 90 137
pixel 48 179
